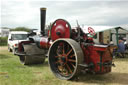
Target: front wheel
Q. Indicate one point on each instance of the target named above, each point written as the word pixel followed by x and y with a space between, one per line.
pixel 13 51
pixel 9 49
pixel 32 59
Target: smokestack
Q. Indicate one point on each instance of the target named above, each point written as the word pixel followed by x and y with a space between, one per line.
pixel 43 16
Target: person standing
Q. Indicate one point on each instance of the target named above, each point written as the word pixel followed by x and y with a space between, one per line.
pixel 121 48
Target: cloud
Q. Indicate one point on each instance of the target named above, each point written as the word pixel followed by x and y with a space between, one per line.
pixel 27 13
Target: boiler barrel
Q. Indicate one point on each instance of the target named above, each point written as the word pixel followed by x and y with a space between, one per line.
pixel 42 42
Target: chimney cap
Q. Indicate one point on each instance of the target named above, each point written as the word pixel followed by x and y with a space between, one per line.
pixel 43 8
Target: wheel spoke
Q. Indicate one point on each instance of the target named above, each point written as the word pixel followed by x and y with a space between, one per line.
pixel 57 51
pixel 71 60
pixel 72 65
pixel 68 47
pixel 69 68
pixel 61 68
pixel 57 56
pixel 72 56
pixel 63 71
pixel 66 72
pixel 59 61
pixel 63 49
pixel 69 52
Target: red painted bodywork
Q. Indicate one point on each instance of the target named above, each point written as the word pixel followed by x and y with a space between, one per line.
pixel 20 45
pixel 91 55
pixel 45 43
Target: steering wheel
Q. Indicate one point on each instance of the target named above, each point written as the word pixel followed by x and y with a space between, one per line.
pixel 91 31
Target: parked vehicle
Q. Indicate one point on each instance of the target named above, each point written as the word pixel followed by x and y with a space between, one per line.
pixel 14 38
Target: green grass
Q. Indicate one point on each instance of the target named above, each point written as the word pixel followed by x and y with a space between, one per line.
pixel 12 72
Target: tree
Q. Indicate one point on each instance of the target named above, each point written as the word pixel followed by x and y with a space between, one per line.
pixel 21 29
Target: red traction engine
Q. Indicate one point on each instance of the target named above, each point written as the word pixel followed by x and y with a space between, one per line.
pixel 69 51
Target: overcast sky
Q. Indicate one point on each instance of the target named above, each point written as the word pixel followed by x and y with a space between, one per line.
pixel 26 13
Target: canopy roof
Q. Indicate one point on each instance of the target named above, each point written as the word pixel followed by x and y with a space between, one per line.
pixel 103 28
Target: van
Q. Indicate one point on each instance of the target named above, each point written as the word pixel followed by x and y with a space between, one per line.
pixel 14 38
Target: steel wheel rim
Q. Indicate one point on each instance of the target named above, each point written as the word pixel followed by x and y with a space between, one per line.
pixel 63 64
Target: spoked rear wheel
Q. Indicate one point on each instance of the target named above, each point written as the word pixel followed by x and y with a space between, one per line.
pixel 65 55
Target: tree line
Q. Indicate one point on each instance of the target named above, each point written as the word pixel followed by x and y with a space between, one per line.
pixel 18 29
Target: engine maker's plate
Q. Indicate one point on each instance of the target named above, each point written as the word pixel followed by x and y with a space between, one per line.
pixel 60 29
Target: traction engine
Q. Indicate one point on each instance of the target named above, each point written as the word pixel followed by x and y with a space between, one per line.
pixel 69 51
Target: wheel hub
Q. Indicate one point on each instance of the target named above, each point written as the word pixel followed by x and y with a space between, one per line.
pixel 63 59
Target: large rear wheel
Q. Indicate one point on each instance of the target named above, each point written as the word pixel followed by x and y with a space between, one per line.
pixel 65 55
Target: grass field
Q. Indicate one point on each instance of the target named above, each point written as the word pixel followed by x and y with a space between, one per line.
pixel 12 72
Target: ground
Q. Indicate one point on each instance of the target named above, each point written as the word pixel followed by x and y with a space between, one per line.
pixel 12 72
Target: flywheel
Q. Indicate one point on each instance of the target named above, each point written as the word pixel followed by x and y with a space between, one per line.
pixel 64 57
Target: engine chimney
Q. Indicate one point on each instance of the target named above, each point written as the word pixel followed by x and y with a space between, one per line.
pixel 43 16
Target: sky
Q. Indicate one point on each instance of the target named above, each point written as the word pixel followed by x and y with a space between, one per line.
pixel 15 13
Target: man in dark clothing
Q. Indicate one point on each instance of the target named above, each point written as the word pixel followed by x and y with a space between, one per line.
pixel 121 48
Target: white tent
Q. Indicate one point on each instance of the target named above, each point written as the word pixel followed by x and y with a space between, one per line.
pixel 103 28
pixel 97 28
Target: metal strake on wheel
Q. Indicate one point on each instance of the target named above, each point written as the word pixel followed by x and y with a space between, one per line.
pixel 64 57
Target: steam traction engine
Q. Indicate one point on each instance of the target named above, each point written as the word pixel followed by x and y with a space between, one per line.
pixel 69 50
